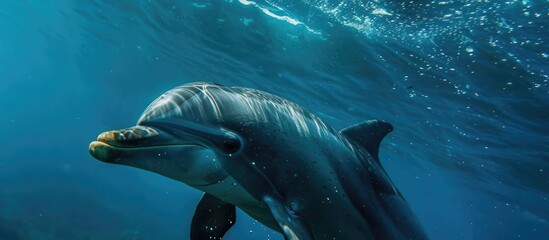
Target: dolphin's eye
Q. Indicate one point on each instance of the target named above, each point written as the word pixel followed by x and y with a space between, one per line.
pixel 230 145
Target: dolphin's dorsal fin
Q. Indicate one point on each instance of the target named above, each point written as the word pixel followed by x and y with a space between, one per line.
pixel 368 134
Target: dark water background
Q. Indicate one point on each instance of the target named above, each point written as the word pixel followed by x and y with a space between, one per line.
pixel 465 83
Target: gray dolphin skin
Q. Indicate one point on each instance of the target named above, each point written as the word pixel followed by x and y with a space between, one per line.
pixel 271 158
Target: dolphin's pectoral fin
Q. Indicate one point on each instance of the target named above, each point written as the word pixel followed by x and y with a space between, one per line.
pixel 212 218
pixel 291 226
pixel 368 134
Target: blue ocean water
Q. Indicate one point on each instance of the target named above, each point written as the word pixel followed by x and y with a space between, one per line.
pixel 465 83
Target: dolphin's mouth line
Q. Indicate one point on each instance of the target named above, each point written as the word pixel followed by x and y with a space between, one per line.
pixel 212 137
pixel 169 145
pixel 108 152
pixel 141 137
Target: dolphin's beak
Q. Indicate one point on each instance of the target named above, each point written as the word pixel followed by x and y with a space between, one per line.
pixel 112 145
pixel 157 151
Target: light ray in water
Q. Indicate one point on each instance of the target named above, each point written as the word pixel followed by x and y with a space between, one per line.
pixel 285 18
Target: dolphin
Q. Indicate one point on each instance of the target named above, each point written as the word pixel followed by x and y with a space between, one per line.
pixel 276 161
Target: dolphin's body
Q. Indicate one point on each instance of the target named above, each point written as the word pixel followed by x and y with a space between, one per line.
pixel 273 159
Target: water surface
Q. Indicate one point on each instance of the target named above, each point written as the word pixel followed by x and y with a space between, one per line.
pixel 465 83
